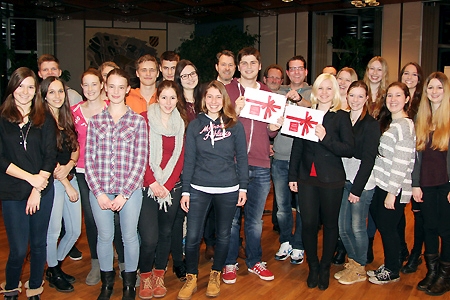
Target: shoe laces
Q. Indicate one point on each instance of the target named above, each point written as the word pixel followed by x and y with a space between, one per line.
pixel 214 278
pixel 231 268
pixel 147 283
pixel 189 280
pixel 262 266
pixel 384 274
pixel 159 281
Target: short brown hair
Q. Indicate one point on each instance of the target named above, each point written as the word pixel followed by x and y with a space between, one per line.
pixel 46 57
pixel 144 58
pixel 170 56
pixel 249 51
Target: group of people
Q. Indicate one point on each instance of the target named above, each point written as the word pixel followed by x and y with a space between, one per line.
pixel 138 162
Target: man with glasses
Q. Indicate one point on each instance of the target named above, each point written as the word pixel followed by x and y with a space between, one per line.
pixel 147 71
pixel 225 66
pixel 273 77
pixel 257 134
pixel 298 93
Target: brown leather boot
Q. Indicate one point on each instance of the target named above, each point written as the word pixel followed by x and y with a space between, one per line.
pixel 432 262
pixel 442 283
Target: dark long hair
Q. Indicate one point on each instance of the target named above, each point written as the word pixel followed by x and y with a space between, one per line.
pixel 9 109
pixel 363 85
pixel 227 112
pixel 65 118
pixel 169 84
pixel 385 116
pixel 197 90
pixel 415 99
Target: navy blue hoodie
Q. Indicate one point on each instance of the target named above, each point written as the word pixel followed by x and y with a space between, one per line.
pixel 214 157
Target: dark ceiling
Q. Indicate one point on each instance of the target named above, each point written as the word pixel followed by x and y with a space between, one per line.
pixel 183 11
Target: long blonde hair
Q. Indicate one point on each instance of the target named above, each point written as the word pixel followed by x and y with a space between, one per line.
pixel 374 109
pixel 437 123
pixel 336 104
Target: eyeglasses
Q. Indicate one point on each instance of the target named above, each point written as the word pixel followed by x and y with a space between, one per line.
pixel 193 74
pixel 293 69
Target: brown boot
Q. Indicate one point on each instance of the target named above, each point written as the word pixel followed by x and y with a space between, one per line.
pixel 432 262
pixel 442 283
pixel 189 287
pixel 146 287
pixel 213 288
pixel 347 267
pixel 356 274
pixel 159 290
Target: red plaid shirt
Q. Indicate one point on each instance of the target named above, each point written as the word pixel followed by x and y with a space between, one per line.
pixel 116 154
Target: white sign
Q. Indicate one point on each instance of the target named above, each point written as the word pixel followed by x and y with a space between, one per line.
pixel 301 122
pixel 263 106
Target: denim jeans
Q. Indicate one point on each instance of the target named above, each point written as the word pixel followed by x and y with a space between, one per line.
pixel 129 216
pixel 352 224
pixel 21 229
pixel 155 230
pixel 63 208
pixel 257 191
pixel 284 195
pixel 224 209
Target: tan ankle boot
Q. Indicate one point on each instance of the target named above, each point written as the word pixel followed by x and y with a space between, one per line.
pixel 189 287
pixel 213 288
pixel 159 290
pixel 354 275
pixel 146 287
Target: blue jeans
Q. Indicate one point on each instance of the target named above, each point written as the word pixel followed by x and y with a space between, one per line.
pixel 63 208
pixel 284 195
pixel 129 217
pixel 352 224
pixel 21 229
pixel 199 205
pixel 257 191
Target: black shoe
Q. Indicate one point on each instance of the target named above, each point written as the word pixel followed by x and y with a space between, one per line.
pixel 339 257
pixel 313 276
pixel 13 297
pixel 129 285
pixel 75 254
pixel 108 279
pixel 67 277
pixel 432 262
pixel 180 270
pixel 414 260
pixel 57 281
pixel 35 297
pixel 324 277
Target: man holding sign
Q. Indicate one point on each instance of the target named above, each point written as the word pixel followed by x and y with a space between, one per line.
pixel 257 135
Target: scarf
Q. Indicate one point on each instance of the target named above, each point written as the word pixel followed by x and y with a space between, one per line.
pixel 175 127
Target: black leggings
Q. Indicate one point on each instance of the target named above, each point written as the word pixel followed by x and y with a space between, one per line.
pixel 324 204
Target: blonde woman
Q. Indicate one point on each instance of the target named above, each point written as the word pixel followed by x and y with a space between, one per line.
pixel 317 174
pixel 345 77
pixel 377 79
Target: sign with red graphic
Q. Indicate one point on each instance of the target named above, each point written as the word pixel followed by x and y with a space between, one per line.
pixel 301 122
pixel 263 106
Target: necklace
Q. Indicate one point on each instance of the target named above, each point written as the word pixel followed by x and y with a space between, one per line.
pixel 25 136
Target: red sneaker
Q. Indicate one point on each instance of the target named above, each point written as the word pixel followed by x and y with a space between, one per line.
pixel 261 270
pixel 229 274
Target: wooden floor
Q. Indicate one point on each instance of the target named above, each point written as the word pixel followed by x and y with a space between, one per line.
pixel 289 283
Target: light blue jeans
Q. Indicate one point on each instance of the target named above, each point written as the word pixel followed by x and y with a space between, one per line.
pixel 257 191
pixel 352 224
pixel 129 217
pixel 63 208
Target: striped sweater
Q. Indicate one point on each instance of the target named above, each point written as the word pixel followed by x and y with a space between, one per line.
pixel 395 160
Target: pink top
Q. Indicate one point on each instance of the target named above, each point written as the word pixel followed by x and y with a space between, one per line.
pixel 81 126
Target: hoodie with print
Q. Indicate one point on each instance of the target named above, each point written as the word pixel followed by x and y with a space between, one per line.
pixel 214 156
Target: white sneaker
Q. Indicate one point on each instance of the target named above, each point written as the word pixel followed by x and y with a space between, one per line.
pixel 374 273
pixel 284 251
pixel 297 256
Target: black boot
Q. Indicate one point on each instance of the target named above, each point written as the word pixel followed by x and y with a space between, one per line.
pixel 179 268
pixel 129 283
pixel 313 277
pixel 108 279
pixel 370 251
pixel 442 283
pixel 339 257
pixel 56 280
pixel 324 276
pixel 12 297
pixel 414 260
pixel 432 262
pixel 67 277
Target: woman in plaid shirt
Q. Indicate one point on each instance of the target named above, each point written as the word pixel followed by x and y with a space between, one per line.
pixel 116 156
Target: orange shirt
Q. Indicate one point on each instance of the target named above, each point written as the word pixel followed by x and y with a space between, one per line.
pixel 138 103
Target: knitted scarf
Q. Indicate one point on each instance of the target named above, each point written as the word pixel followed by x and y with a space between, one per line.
pixel 175 127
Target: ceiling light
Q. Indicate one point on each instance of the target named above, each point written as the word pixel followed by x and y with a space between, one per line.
pixel 287 0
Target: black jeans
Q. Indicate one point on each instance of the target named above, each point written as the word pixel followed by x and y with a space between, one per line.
pixel 324 203
pixel 435 209
pixel 387 221
pixel 155 229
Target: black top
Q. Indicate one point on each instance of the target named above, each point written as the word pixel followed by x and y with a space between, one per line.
pixel 326 154
pixel 40 154
pixel 63 156
pixel 367 137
